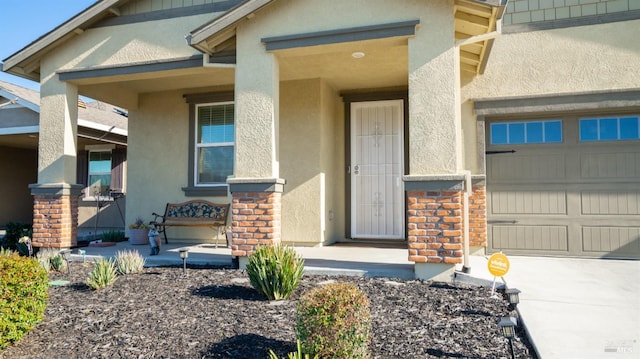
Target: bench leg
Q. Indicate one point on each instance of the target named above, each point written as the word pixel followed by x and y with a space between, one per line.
pixel 164 233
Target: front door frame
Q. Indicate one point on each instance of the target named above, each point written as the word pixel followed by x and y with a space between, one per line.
pixel 349 98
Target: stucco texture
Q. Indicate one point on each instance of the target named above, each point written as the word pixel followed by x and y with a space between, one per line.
pixel 569 60
pixel 158 159
pixel 310 163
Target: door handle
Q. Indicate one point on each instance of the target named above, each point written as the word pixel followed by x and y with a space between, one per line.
pixel 356 169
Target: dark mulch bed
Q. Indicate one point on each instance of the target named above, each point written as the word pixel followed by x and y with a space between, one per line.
pixel 215 313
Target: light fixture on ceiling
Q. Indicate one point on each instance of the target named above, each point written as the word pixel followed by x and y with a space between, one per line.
pixel 357 55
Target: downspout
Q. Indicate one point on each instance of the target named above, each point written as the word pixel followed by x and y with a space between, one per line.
pixel 468 190
pixel 205 63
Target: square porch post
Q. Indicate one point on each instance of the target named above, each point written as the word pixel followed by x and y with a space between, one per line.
pixel 435 183
pixel 55 213
pixel 256 188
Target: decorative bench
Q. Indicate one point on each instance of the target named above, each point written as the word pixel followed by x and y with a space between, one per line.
pixel 194 213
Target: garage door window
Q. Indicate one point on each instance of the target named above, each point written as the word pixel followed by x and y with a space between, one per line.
pixel 526 132
pixel 609 128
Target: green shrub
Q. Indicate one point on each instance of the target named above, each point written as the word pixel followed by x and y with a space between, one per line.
pixel 293 355
pixel 113 236
pixel 23 297
pixel 15 231
pixel 334 321
pixel 129 262
pixel 103 274
pixel 275 271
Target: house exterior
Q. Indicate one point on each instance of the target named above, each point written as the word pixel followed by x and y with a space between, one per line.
pixel 101 164
pixel 331 121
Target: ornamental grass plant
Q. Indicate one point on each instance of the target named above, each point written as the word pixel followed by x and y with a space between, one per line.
pixel 104 273
pixel 129 261
pixel 275 271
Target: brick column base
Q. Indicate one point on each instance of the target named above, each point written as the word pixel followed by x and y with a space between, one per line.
pixel 55 215
pixel 435 226
pixel 478 218
pixel 256 208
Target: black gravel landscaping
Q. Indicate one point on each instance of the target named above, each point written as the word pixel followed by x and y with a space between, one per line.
pixel 215 313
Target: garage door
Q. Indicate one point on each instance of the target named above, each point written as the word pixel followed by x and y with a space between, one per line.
pixel 571 188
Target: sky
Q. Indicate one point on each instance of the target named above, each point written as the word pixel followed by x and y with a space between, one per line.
pixel 23 21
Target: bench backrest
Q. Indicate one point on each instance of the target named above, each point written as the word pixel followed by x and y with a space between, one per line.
pixel 196 210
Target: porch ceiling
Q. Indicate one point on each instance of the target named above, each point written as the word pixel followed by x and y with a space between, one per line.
pixel 384 64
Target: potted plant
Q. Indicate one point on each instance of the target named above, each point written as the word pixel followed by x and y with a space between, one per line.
pixel 138 232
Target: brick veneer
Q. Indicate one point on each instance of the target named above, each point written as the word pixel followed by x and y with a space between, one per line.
pixel 434 226
pixel 478 216
pixel 256 219
pixel 55 220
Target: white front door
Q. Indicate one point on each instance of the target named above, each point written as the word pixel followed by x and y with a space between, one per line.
pixel 377 158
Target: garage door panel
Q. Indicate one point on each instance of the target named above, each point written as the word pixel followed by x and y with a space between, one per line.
pixel 527 168
pixel 610 202
pixel 526 237
pixel 610 165
pixel 612 241
pixel 528 202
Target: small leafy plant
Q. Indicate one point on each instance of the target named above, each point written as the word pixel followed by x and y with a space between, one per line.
pixel 129 261
pixel 138 224
pixel 57 263
pixel 334 321
pixel 113 236
pixel 275 271
pixel 15 231
pixel 299 354
pixel 44 258
pixel 23 296
pixel 103 274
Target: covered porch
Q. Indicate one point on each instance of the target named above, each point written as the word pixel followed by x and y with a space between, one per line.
pixel 303 160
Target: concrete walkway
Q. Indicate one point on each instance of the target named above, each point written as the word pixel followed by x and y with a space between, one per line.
pixel 571 308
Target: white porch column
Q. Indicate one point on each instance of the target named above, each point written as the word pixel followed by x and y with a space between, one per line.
pixel 55 213
pixel 434 185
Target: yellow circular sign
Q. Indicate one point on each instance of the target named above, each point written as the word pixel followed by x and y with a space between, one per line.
pixel 498 264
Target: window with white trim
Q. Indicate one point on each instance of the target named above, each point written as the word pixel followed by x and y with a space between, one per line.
pixel 214 143
pixel 99 173
pixel 610 128
pixel 526 132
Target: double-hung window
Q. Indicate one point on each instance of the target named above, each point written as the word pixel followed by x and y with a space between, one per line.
pixel 99 173
pixel 214 144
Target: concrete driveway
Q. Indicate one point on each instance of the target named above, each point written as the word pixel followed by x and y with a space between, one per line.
pixel 579 308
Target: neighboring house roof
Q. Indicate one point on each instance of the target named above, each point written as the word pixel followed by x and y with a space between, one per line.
pixel 474 19
pixel 93 117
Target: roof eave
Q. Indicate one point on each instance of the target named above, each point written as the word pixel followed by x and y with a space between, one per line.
pixel 225 25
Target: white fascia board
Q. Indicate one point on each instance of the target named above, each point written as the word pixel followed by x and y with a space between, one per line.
pixel 225 21
pixel 21 130
pixel 58 33
pixel 20 101
pixel 101 127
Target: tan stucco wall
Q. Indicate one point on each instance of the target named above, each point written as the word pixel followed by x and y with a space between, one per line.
pixel 561 61
pixel 109 217
pixel 569 60
pixel 158 146
pixel 309 162
pixel 19 169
